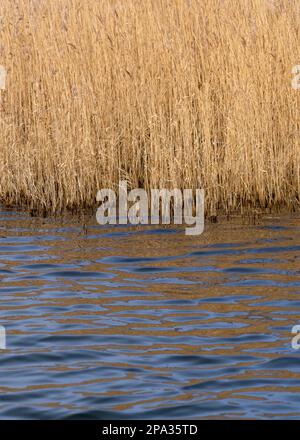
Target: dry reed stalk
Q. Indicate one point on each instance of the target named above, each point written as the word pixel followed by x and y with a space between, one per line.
pixel 164 93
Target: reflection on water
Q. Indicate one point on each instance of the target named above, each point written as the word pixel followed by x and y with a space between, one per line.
pixel 146 323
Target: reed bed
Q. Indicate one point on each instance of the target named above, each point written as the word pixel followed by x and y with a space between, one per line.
pixel 163 93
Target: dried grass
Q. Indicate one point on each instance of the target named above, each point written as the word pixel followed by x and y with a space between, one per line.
pixel 164 93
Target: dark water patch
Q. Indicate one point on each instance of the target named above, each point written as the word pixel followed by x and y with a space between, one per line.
pixel 72 274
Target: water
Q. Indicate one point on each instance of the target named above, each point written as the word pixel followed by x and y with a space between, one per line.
pixel 127 322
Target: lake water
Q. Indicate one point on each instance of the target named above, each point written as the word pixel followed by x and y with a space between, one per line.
pixel 137 322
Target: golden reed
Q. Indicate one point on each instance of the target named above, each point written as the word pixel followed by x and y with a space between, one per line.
pixel 162 93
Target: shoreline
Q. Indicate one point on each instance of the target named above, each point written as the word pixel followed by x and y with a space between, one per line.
pixel 248 217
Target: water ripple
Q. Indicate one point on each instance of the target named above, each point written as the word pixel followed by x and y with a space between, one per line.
pixel 128 322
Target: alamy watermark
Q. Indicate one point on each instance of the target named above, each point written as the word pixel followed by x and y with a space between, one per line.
pixel 2 338
pixel 296 338
pixel 135 207
pixel 2 77
pixel 296 78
